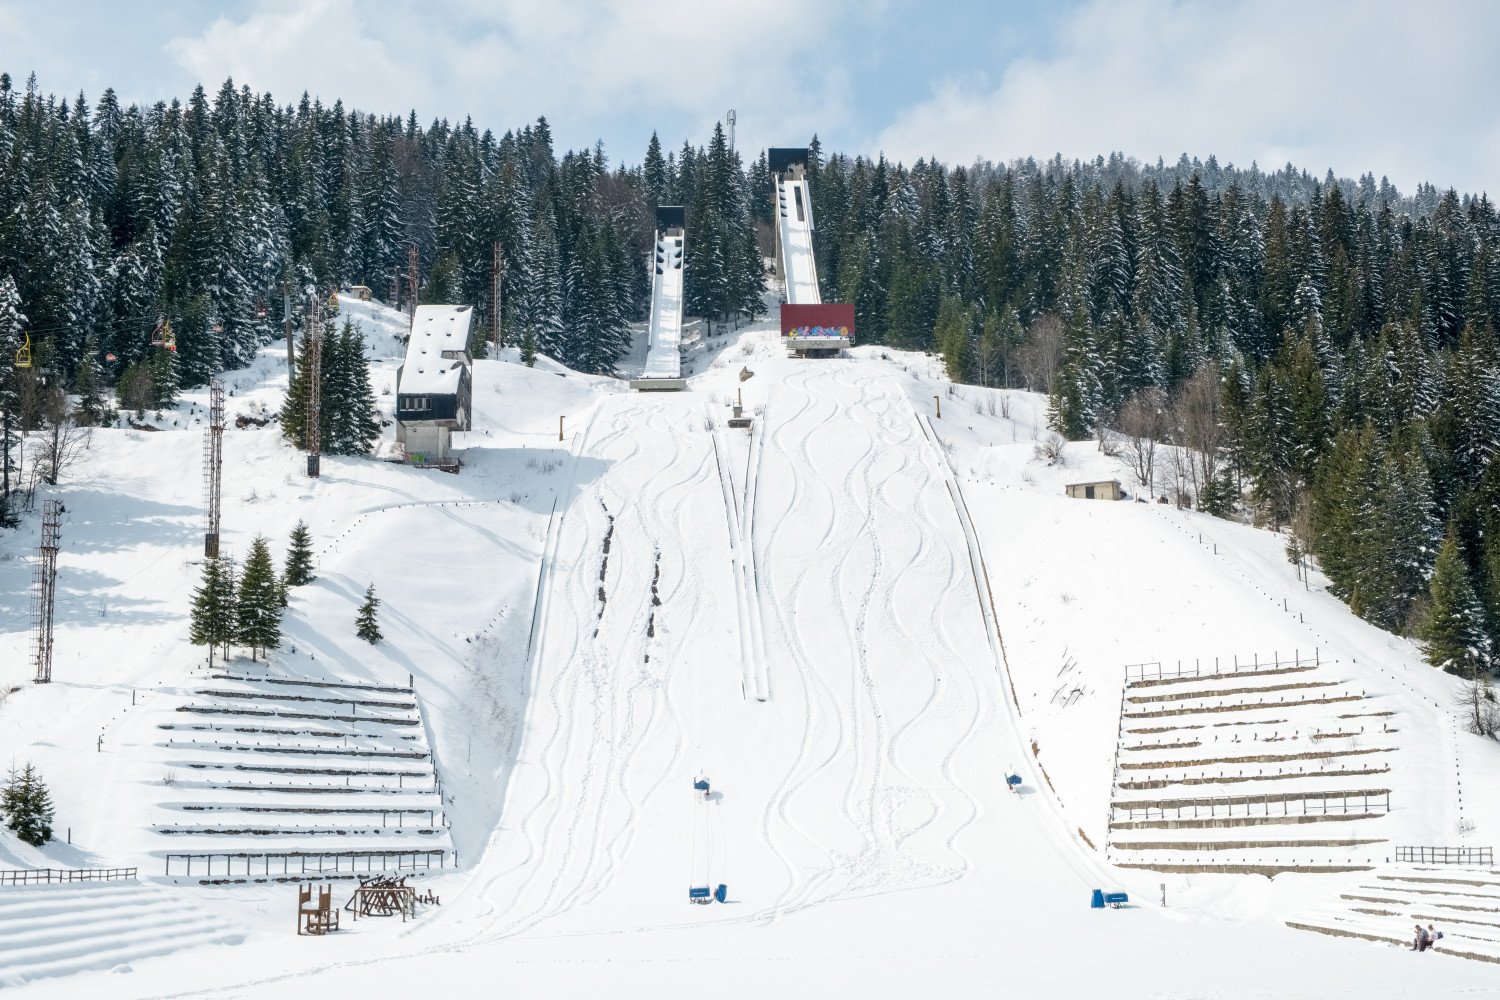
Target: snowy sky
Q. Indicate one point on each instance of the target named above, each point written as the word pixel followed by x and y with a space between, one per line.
pixel 1403 89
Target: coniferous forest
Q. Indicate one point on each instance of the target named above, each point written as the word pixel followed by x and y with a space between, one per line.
pixel 1321 350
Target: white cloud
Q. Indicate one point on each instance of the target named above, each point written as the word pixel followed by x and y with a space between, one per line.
pixel 584 64
pixel 1405 90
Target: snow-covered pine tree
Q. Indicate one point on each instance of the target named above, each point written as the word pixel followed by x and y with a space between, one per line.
pixel 360 426
pixel 366 626
pixel 12 325
pixel 88 385
pixel 258 603
pixel 27 804
pixel 212 620
pixel 299 556
pixel 1452 634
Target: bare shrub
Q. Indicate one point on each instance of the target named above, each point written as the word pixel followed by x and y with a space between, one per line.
pixel 1041 352
pixel 1144 423
pixel 1051 449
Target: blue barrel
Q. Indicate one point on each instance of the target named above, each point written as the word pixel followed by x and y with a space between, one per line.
pixel 1097 903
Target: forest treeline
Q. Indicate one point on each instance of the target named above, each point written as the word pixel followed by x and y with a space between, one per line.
pixel 1323 348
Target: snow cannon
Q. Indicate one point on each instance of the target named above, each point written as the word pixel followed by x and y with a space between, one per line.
pixel 701 894
pixel 722 893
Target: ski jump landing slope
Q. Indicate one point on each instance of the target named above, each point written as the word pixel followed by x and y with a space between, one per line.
pixel 860 816
pixel 794 216
pixel 663 348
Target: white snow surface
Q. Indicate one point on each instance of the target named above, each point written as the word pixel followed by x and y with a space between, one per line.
pixel 824 650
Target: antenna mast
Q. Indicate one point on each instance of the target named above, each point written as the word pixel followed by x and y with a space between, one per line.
pixel 44 589
pixel 213 468
pixel 729 120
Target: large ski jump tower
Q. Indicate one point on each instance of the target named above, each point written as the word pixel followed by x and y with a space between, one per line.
pixel 663 369
pixel 809 326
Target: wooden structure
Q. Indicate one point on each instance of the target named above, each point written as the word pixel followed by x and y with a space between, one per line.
pixel 1106 489
pixel 316 916
pixel 361 292
pixel 383 896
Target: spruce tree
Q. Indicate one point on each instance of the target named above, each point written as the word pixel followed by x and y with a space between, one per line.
pixel 1452 633
pixel 258 603
pixel 88 385
pixel 365 624
pixel 12 323
pixel 299 557
pixel 27 804
pixel 212 621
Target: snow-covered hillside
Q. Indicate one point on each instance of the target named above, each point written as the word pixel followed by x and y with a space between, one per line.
pixel 854 619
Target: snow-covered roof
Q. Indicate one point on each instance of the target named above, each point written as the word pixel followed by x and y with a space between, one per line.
pixel 438 350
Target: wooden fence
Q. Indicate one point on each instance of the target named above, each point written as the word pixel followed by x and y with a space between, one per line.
pixel 43 876
pixel 293 863
pixel 1156 671
pixel 1446 855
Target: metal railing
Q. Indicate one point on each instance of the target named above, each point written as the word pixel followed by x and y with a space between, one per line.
pixel 1156 671
pixel 43 876
pixel 1361 803
pixel 291 863
pixel 1447 855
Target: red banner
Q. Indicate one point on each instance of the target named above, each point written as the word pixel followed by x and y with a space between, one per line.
pixel 830 319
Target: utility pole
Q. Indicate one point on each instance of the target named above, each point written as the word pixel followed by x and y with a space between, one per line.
pixel 939 401
pixel 286 328
pixel 497 275
pixel 312 372
pixel 44 589
pixel 411 286
pixel 213 468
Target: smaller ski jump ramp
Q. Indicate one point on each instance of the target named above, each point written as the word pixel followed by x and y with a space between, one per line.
pixel 663 371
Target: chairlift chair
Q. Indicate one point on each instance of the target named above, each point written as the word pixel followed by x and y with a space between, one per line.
pixel 23 356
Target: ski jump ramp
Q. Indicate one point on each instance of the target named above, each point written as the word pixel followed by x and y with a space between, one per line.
pixel 663 371
pixel 808 325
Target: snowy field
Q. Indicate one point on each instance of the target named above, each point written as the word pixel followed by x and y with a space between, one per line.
pixel 855 619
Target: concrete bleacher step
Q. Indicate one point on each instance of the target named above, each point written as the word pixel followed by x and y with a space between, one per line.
pixel 274 765
pixel 57 930
pixel 278 683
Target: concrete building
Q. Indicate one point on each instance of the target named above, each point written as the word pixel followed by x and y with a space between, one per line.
pixel 434 387
pixel 1108 489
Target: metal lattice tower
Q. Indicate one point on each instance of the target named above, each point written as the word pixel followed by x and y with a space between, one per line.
pixel 213 468
pixel 411 286
pixel 497 276
pixel 312 374
pixel 729 121
pixel 44 589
